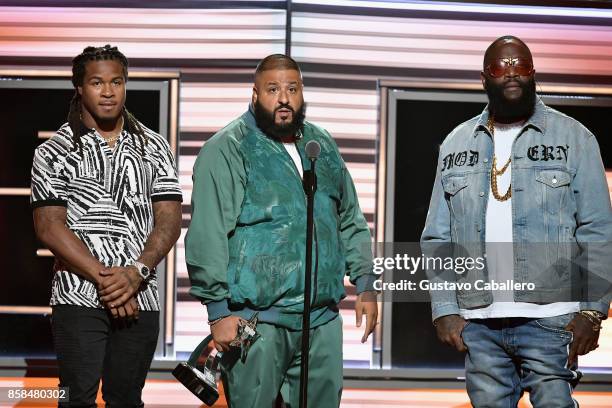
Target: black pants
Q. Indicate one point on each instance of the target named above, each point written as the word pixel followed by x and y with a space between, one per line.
pixel 90 345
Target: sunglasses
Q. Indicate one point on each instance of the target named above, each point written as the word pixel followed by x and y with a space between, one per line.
pixel 499 67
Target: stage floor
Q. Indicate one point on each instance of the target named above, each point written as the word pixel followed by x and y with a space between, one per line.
pixel 169 394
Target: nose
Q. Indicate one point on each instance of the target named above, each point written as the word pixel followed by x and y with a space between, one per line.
pixel 511 71
pixel 107 90
pixel 283 97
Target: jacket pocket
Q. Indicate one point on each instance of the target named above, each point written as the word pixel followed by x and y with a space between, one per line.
pixel 453 184
pixel 554 186
pixel 454 190
pixel 252 215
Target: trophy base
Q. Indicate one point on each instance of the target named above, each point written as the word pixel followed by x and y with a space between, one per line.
pixel 202 385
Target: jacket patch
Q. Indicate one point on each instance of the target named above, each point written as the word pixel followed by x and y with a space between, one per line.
pixel 547 153
pixel 459 159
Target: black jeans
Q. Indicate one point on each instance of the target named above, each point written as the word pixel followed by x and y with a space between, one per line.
pixel 90 345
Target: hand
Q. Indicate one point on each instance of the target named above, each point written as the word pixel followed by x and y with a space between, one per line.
pixel 224 331
pixel 366 304
pixel 449 329
pixel 118 284
pixel 129 310
pixel 585 339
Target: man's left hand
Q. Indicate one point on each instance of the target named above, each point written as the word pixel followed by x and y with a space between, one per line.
pixel 585 338
pixel 118 285
pixel 128 311
pixel 366 304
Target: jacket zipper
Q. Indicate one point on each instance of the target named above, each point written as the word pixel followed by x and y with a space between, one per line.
pixel 314 229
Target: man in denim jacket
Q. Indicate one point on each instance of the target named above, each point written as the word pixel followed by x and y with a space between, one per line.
pixel 531 180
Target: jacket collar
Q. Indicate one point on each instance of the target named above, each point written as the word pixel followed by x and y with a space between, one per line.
pixel 249 118
pixel 537 119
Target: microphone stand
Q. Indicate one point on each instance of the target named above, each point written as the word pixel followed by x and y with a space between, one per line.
pixel 310 186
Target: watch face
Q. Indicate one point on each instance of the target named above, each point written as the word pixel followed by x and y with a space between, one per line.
pixel 145 271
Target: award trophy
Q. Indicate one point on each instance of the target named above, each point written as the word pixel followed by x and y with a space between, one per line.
pixel 202 380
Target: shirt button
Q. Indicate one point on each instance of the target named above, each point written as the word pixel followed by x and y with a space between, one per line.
pixel 554 181
pixel 481 194
pixel 486 160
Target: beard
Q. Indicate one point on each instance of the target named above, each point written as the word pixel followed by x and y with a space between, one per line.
pixel 265 121
pixel 511 110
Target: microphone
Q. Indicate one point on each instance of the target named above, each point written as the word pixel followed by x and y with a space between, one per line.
pixel 313 150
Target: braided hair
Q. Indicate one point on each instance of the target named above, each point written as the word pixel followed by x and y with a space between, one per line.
pixel 78 73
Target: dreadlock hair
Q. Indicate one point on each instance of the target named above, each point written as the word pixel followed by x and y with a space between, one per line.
pixel 78 73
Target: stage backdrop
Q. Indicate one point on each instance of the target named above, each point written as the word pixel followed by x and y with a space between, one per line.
pixel 344 48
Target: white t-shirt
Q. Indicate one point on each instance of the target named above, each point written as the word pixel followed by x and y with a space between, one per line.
pixel 498 237
pixel 295 156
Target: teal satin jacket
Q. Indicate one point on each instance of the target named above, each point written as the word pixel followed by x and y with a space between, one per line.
pixel 246 244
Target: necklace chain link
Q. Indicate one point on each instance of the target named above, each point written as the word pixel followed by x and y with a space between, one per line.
pixel 498 172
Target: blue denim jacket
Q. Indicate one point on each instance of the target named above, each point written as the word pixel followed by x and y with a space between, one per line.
pixel 560 201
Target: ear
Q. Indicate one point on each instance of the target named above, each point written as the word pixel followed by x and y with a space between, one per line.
pixel 254 96
pixel 483 80
pixel 80 90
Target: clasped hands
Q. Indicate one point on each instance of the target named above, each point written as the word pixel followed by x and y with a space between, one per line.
pixel 117 288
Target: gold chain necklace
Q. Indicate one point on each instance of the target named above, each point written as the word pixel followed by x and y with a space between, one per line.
pixel 112 139
pixel 116 137
pixel 495 172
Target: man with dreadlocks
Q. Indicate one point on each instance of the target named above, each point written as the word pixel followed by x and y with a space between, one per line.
pixel 246 244
pixel 106 201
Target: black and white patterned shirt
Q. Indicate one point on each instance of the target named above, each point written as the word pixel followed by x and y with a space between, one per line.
pixel 109 195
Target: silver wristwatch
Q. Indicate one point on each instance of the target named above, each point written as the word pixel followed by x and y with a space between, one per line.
pixel 143 270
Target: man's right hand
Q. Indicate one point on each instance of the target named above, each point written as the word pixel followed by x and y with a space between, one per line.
pixel 449 329
pixel 224 331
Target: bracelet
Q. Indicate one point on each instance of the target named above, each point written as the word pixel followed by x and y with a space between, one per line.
pixel 594 317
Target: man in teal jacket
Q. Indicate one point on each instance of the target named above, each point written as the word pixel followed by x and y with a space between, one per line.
pixel 246 244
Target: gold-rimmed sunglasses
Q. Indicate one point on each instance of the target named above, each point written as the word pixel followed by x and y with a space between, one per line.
pixel 498 68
